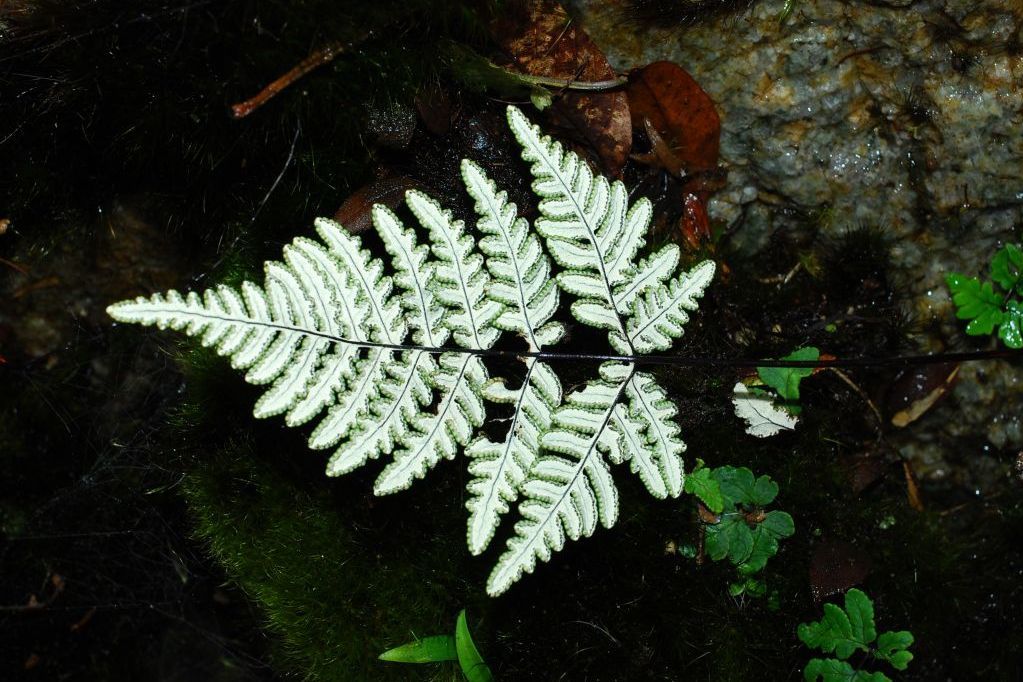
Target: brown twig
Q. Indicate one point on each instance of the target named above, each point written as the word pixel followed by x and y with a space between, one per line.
pixel 862 394
pixel 912 489
pixel 44 283
pixel 11 264
pixel 318 58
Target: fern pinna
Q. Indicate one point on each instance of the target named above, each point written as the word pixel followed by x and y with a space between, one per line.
pixel 393 364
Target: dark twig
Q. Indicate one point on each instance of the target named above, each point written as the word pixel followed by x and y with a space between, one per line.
pixel 316 59
pixel 673 360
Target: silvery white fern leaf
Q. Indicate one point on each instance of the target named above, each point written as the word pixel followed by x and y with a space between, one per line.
pixel 521 281
pixel 390 357
pixel 594 235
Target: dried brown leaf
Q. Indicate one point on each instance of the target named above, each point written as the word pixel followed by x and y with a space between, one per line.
pixel 356 213
pixel 916 391
pixel 542 40
pixel 679 110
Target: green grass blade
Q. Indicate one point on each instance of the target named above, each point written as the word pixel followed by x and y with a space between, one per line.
pixel 473 667
pixel 426 650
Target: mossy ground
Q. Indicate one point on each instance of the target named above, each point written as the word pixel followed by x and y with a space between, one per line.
pixel 129 430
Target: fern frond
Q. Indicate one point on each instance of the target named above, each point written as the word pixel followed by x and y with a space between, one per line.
pixel 650 272
pixel 404 392
pixel 655 450
pixel 460 283
pixel 522 283
pixel 520 269
pixel 437 435
pixel 388 393
pixel 659 314
pixel 461 280
pixel 568 492
pixel 328 332
pixel 414 273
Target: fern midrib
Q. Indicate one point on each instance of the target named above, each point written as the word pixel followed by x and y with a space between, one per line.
pixel 317 256
pixel 591 234
pixel 370 292
pixel 400 395
pixel 580 467
pixel 363 387
pixel 654 318
pixel 427 323
pixel 469 312
pixel 635 289
pixel 653 420
pixel 551 356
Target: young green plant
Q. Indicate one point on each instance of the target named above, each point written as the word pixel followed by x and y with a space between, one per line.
pixel 736 524
pixel 995 304
pixel 843 632
pixel 440 648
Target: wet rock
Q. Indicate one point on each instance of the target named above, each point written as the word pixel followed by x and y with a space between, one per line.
pixel 902 115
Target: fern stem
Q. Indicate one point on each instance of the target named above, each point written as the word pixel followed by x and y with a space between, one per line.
pixel 672 360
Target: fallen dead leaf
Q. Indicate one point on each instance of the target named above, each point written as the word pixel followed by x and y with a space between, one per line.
pixel 680 112
pixel 916 391
pixel 356 213
pixel 684 130
pixel 543 40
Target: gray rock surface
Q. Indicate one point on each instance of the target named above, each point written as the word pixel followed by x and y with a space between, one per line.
pixel 904 114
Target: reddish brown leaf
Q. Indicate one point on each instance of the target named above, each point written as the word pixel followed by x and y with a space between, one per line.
pixel 695 222
pixel 679 110
pixel 835 567
pixel 542 40
pixel 356 213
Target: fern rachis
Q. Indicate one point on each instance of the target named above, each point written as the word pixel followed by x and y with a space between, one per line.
pixel 368 353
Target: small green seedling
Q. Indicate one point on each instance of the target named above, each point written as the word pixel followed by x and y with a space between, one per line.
pixel 843 632
pixel 439 648
pixel 995 304
pixel 736 525
pixel 785 380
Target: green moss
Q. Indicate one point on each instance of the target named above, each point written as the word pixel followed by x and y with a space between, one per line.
pixel 338 583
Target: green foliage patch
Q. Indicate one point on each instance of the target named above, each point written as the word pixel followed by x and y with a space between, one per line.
pixel 736 525
pixel 843 632
pixel 786 380
pixel 745 533
pixel 994 304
